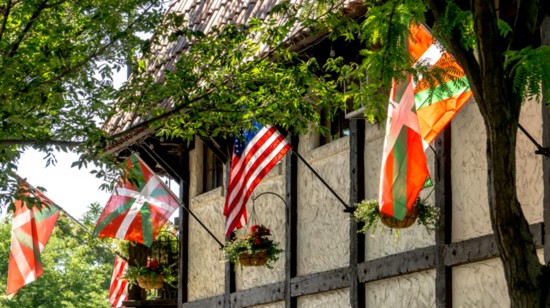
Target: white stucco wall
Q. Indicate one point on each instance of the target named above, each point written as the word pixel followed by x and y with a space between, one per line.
pixel 272 305
pixel 332 299
pixel 270 212
pixel 469 171
pixel 413 290
pixel 323 227
pixel 205 265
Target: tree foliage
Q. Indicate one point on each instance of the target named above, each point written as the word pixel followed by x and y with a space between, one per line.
pixel 57 59
pixel 77 268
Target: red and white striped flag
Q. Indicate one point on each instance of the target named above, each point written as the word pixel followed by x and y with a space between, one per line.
pixel 31 230
pixel 119 287
pixel 253 157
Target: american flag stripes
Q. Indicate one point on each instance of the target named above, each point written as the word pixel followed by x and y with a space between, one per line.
pixel 119 287
pixel 253 157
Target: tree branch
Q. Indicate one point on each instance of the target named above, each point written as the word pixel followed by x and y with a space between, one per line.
pixel 63 143
pixel 26 29
pixel 99 51
pixel 5 20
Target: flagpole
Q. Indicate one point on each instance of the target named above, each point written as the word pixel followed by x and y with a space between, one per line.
pixel 155 156
pixel 347 209
pixel 81 225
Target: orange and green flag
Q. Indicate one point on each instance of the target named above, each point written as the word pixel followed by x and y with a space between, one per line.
pixel 436 101
pixel 31 230
pixel 139 208
pixel 418 111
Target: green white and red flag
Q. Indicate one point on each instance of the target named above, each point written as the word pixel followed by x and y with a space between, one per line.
pixel 437 101
pixel 139 208
pixel 404 167
pixel 31 230
pixel 418 111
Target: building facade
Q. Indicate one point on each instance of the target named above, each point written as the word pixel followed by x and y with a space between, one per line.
pixel 326 263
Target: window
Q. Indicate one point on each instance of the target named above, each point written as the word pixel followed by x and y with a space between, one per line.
pixel 212 175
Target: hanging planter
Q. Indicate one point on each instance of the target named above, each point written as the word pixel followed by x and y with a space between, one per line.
pixel 150 282
pixel 408 221
pixel 257 259
pixel 368 213
pixel 152 276
pixel 255 249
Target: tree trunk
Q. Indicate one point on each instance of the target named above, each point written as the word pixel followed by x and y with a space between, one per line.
pixel 500 107
pixel 527 282
pixel 527 279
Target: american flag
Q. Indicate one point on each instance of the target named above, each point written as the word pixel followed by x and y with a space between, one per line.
pixel 119 287
pixel 253 156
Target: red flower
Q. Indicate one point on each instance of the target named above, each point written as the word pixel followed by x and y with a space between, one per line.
pixel 255 229
pixel 257 241
pixel 153 265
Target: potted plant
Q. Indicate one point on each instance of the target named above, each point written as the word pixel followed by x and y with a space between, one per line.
pixel 152 276
pixel 255 249
pixel 367 211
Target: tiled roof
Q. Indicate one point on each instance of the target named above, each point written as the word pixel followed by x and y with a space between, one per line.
pixel 201 15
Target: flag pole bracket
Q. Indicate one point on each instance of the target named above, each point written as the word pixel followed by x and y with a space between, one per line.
pixel 545 151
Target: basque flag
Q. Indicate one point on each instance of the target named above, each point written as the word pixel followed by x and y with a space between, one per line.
pixel 254 155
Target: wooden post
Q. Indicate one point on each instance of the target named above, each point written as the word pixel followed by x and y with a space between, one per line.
pixel 357 193
pixel 443 201
pixel 137 256
pixel 291 223
pixel 545 38
pixel 229 282
pixel 183 227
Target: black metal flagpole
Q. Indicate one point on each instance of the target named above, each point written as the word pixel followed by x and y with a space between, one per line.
pixel 540 149
pixel 81 225
pixel 155 156
pixel 347 208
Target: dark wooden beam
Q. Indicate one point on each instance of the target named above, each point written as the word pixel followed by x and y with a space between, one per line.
pixel 420 259
pixel 257 296
pixel 545 40
pixel 444 201
pixel 183 227
pixel 211 302
pixel 229 280
pixel 291 223
pixel 482 248
pixel 357 193
pixel 320 282
pixel 546 179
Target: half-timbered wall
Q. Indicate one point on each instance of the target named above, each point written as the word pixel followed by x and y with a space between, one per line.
pixel 400 272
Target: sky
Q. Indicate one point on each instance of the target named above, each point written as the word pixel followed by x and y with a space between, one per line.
pixel 70 188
